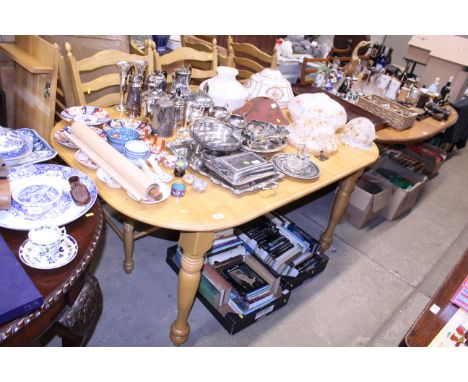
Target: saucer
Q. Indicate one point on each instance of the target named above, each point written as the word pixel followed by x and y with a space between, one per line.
pixel 311 171
pixel 81 157
pixel 67 251
pixel 103 177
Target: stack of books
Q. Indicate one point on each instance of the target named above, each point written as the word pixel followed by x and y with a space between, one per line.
pixel 278 243
pixel 231 276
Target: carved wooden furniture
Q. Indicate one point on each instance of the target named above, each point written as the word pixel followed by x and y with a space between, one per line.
pixel 73 299
pixel 249 59
pixel 420 131
pixel 35 87
pixel 198 215
pixel 428 324
pixel 105 58
pixel 183 56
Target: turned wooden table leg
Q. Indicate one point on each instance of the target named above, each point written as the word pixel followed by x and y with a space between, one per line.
pixel 194 245
pixel 129 243
pixel 340 204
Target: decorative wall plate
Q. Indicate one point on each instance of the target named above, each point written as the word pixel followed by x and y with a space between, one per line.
pixel 66 211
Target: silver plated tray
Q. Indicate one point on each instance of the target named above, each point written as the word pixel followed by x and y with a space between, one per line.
pixel 311 171
pixel 271 146
pixel 266 184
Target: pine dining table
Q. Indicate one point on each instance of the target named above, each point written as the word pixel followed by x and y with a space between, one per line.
pixel 198 215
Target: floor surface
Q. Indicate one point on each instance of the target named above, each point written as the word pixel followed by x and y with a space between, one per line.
pixel 376 283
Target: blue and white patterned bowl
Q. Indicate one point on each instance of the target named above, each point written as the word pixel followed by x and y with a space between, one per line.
pixel 118 136
pixel 36 199
pixel 134 124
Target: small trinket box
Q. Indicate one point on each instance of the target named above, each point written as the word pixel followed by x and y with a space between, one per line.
pixel 199 185
pixel 178 190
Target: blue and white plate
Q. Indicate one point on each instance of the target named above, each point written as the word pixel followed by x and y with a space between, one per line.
pixel 101 115
pixel 41 150
pixel 67 251
pixel 10 158
pixel 134 124
pixel 9 141
pixel 65 210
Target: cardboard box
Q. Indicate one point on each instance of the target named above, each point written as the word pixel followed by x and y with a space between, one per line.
pixel 364 206
pixel 401 200
pixel 432 156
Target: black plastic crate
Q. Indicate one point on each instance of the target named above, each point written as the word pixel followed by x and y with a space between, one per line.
pixel 232 321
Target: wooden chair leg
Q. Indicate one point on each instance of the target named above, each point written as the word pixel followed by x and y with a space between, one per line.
pixel 129 244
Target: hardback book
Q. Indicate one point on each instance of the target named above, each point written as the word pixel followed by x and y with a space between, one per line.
pixel 226 255
pixel 244 279
pixel 18 294
pixel 210 292
pixel 218 281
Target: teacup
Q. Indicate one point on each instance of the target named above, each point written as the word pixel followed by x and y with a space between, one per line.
pixel 46 240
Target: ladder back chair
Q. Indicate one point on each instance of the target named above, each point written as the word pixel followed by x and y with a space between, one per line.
pixel 249 59
pixel 199 44
pixel 307 70
pixel 183 57
pixel 106 58
pixel 99 60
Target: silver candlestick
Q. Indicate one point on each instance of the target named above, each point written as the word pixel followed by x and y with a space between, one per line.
pixel 124 68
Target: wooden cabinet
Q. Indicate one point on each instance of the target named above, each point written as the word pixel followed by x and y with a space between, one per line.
pixel 35 85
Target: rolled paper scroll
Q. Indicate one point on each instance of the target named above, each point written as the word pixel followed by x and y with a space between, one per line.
pixel 125 173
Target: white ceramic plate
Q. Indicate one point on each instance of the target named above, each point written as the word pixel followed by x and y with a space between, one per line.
pixel 67 251
pixel 165 190
pixel 103 177
pixel 82 158
pixel 66 211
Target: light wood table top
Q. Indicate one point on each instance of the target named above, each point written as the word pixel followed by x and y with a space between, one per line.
pixel 420 131
pixel 218 208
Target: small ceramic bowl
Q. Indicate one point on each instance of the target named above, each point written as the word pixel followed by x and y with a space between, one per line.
pixel 118 136
pixel 37 199
pixel 136 149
